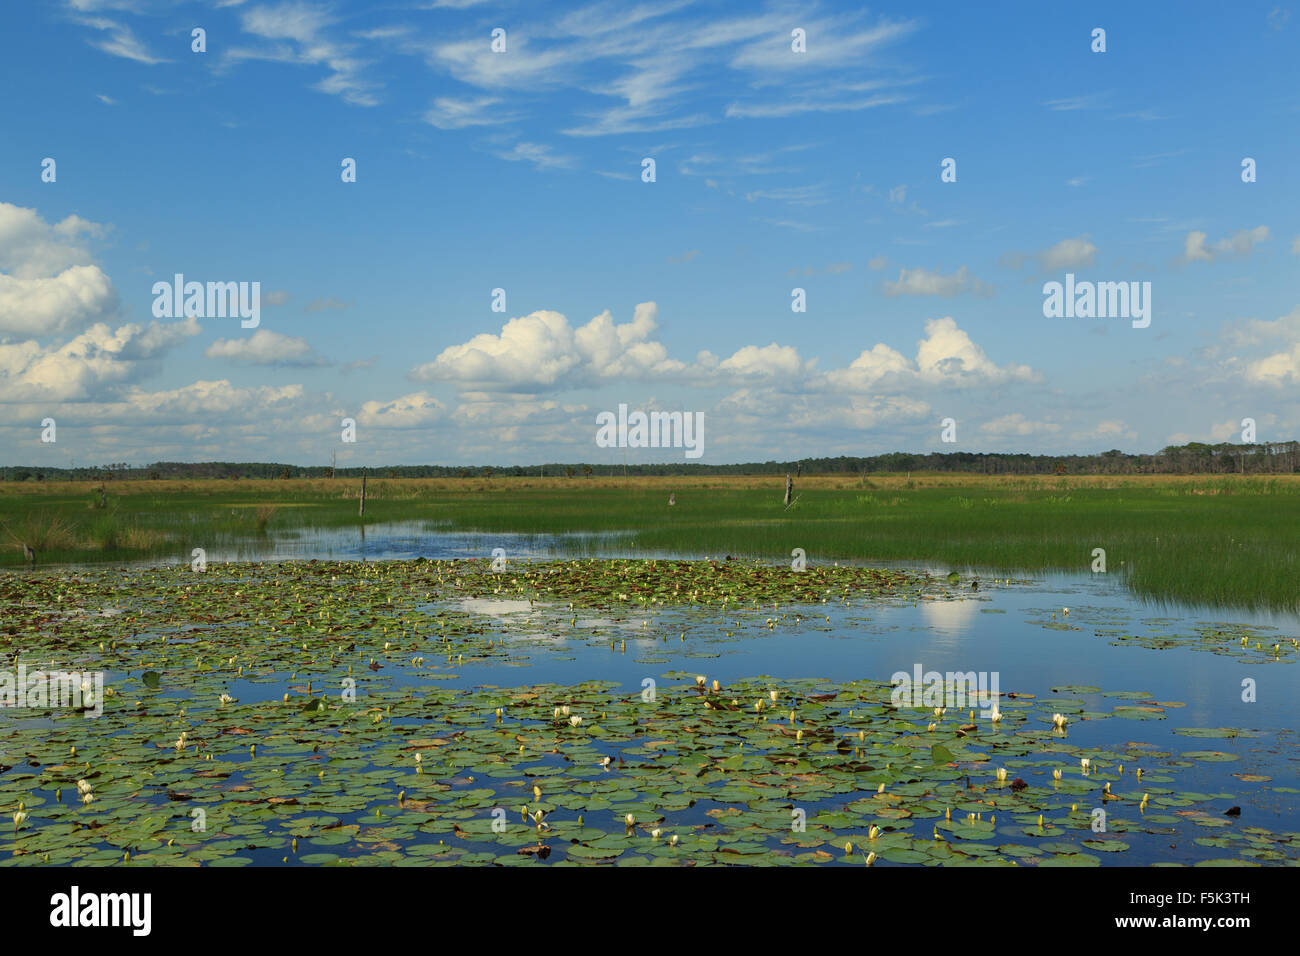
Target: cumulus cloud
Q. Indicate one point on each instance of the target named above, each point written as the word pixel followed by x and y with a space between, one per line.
pixel 31 248
pixel 946 357
pixel 1071 253
pixel 925 282
pixel 1278 369
pixel 49 285
pixel 72 300
pixel 410 411
pixel 541 350
pixel 265 347
pixel 205 399
pixel 1239 244
pixel 82 367
pixel 1068 254
pixel 770 361
pixel 1247 333
pixel 1242 342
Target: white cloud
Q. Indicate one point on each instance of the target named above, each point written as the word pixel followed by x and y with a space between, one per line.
pixel 265 347
pixel 946 357
pixel 1237 245
pixel 1278 369
pixel 48 284
pixel 449 112
pixel 1068 254
pixel 72 300
pixel 416 410
pixel 118 40
pixel 299 34
pixel 541 350
pixel 539 154
pixel 770 361
pixel 31 248
pixel 810 105
pixel 1071 253
pixel 925 282
pixel 86 365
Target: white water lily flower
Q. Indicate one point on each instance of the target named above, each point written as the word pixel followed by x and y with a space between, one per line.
pixel 19 819
pixel 673 839
pixel 1056 774
pixel 630 820
pixel 871 858
pixel 575 721
pixel 225 698
pixel 1002 774
pixel 699 681
pixel 655 833
pixel 1059 721
pixel 83 787
pixel 996 715
pixel 1085 763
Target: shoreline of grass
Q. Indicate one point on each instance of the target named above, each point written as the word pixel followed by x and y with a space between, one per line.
pixel 1212 541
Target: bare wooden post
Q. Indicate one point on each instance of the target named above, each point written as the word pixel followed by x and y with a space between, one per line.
pixel 362 512
pixel 789 489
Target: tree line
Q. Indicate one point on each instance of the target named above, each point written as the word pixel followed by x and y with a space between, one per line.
pixel 1191 459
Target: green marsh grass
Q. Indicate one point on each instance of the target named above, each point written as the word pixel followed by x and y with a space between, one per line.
pixel 1218 541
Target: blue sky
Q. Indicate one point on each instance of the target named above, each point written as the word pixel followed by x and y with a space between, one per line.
pixel 522 170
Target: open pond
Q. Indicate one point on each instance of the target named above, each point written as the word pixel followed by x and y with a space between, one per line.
pixel 364 712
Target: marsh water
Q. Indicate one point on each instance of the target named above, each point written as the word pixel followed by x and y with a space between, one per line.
pixel 1127 674
pixel 1016 627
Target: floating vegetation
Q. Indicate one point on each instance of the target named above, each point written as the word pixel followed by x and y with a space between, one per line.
pixel 313 714
pixel 1253 643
